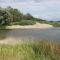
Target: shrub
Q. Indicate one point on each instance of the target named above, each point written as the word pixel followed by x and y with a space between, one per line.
pixel 27 22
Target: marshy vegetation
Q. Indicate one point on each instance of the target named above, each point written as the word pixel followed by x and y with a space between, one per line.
pixel 36 50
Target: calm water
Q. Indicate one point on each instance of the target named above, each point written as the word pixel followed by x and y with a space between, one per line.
pixel 35 34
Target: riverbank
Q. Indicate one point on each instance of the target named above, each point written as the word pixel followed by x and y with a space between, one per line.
pixel 37 25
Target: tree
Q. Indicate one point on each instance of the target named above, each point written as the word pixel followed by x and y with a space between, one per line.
pixel 29 16
pixel 5 17
pixel 17 15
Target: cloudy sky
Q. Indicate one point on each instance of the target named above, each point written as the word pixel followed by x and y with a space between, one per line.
pixel 46 9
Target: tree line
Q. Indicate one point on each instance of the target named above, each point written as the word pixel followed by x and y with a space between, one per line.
pixel 10 15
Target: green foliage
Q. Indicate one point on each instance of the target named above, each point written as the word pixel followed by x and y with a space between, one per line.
pixel 28 16
pixel 14 16
pixel 5 17
pixel 27 22
pixel 55 24
pixel 2 27
pixel 17 15
pixel 24 22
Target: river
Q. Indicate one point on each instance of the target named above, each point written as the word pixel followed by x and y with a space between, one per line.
pixel 52 34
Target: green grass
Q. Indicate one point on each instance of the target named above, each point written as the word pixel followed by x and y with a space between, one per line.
pixel 36 50
pixel 24 22
pixel 2 27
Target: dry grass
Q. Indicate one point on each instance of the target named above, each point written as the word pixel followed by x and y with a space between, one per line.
pixel 36 50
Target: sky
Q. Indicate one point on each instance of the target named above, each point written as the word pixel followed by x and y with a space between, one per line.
pixel 45 9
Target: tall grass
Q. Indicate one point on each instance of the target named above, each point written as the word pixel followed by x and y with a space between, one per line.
pixel 37 50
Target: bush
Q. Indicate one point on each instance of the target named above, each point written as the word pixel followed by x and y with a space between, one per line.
pixel 27 22
pixel 2 27
pixel 55 24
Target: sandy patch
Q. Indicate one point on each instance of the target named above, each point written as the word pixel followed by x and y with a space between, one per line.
pixel 10 40
pixel 37 25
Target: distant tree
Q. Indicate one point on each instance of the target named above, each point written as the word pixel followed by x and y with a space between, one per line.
pixel 29 16
pixel 17 15
pixel 9 14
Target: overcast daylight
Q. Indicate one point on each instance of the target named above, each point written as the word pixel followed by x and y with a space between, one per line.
pixel 29 29
pixel 45 9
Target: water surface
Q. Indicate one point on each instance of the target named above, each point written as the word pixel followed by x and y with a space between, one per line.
pixel 52 34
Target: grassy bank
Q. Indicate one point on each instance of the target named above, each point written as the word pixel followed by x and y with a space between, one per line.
pixel 2 27
pixel 24 22
pixel 37 50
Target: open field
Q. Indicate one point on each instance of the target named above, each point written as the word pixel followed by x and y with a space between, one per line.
pixel 34 50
